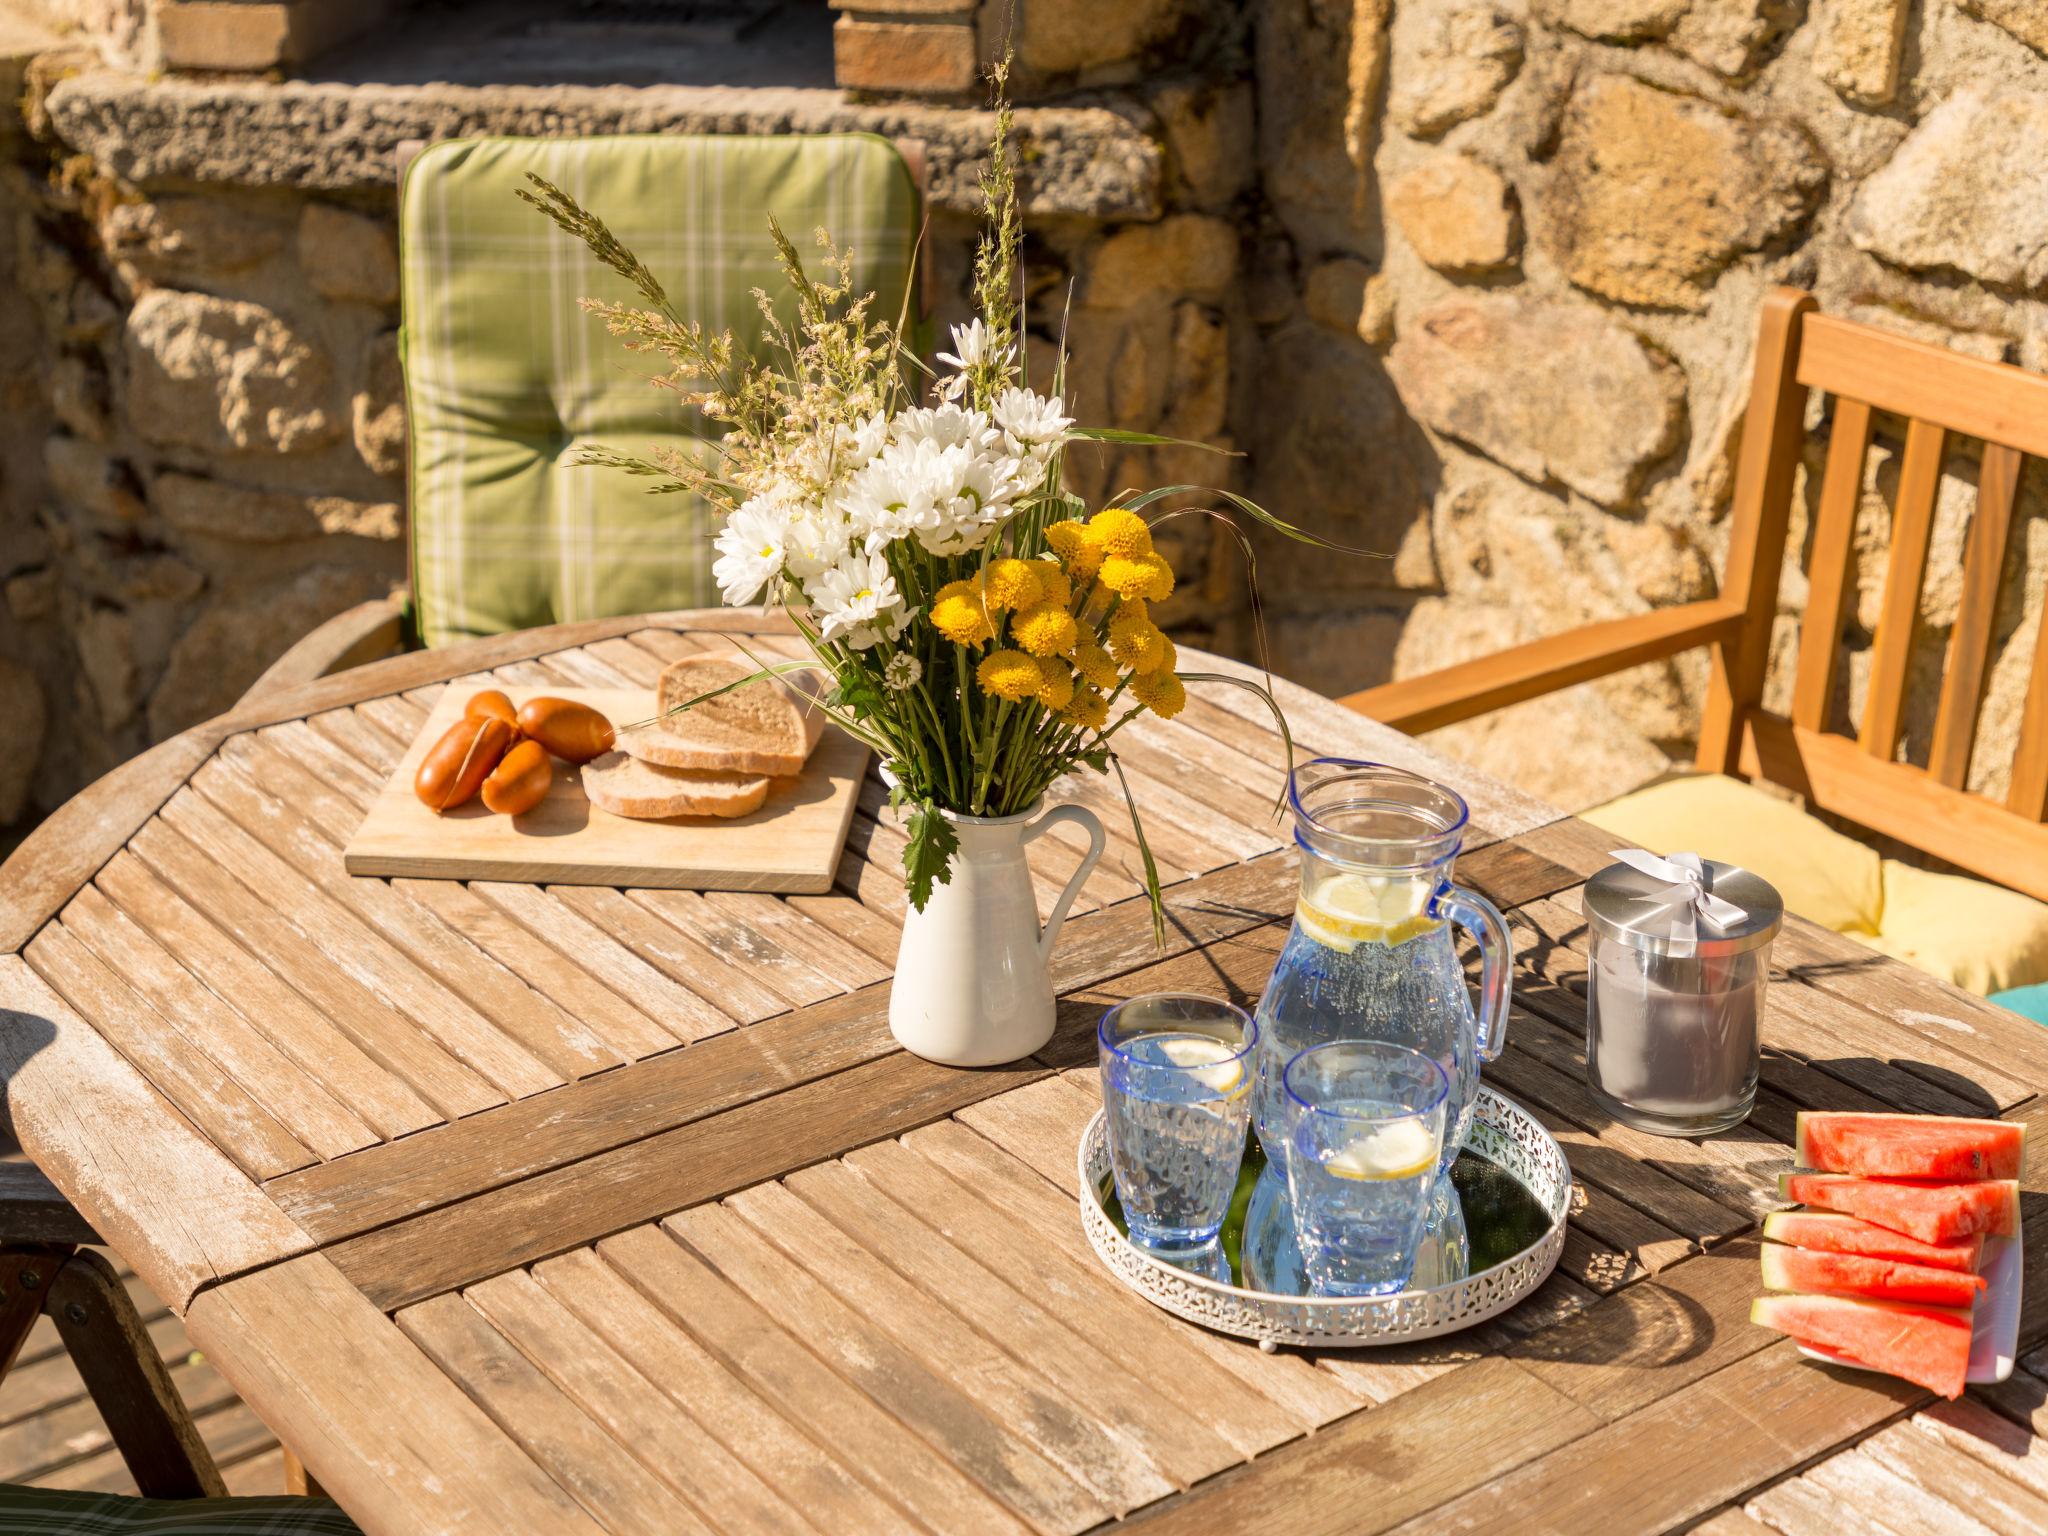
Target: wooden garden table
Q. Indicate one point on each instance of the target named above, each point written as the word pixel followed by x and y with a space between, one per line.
pixel 572 1209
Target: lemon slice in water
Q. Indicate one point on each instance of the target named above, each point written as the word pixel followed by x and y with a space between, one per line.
pixel 1400 1149
pixel 1214 1062
pixel 1348 910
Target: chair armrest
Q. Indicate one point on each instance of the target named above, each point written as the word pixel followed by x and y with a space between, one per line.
pixel 33 1210
pixel 1543 666
pixel 367 632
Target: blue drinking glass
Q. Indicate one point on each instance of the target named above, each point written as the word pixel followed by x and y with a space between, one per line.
pixel 1176 1099
pixel 1367 1132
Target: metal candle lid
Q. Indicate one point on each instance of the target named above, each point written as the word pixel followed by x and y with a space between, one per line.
pixel 1627 906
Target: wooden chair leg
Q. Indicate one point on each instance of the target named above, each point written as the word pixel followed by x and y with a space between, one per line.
pixel 297 1480
pixel 26 1270
pixel 129 1383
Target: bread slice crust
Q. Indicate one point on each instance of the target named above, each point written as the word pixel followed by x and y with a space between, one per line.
pixel 768 726
pixel 626 786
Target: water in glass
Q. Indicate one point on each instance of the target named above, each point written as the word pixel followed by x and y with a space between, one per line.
pixel 1369 1123
pixel 1176 1097
pixel 1371 954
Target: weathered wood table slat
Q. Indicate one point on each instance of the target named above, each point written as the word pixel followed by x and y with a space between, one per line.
pixel 564 1208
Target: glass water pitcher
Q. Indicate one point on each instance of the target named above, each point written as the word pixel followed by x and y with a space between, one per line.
pixel 1371 955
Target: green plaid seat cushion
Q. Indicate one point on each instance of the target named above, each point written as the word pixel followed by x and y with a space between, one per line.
pixel 506 378
pixel 59 1512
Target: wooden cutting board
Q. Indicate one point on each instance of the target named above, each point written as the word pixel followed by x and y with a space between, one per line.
pixel 792 843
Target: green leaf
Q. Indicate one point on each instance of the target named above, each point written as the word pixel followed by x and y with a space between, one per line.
pixel 928 856
pixel 1147 439
pixel 1145 853
pixel 1253 510
pixel 1279 719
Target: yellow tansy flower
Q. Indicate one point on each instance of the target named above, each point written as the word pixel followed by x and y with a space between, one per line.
pixel 957 614
pixel 1011 583
pixel 1010 675
pixel 1095 664
pixel 1127 577
pixel 1162 658
pixel 1121 532
pixel 1087 708
pixel 1079 549
pixel 1161 692
pixel 1135 640
pixel 1045 629
pixel 1053 584
pixel 1160 587
pixel 1056 683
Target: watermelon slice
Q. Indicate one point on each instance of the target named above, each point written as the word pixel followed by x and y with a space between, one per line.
pixel 1826 1232
pixel 1934 1213
pixel 1909 1146
pixel 1929 1346
pixel 1852 1274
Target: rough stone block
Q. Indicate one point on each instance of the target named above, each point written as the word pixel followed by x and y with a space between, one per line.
pixel 1070 37
pixel 1450 62
pixel 922 8
pixel 224 376
pixel 1183 254
pixel 927 58
pixel 21 706
pixel 1968 189
pixel 1857 51
pixel 347 256
pixel 1652 194
pixel 250 35
pixel 239 514
pixel 2026 20
pixel 1459 215
pixel 377 410
pixel 1555 391
pixel 1209 137
pixel 91 484
pixel 178 239
pixel 1615 21
pixel 1335 293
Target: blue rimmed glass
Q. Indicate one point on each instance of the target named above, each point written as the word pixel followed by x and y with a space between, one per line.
pixel 1176 1100
pixel 1367 1132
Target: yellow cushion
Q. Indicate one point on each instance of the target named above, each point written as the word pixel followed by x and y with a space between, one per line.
pixel 1822 875
pixel 1980 936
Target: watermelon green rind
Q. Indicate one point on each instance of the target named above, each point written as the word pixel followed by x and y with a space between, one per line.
pixel 1850 1274
pixel 1932 1212
pixel 1895 1146
pixel 1833 1232
pixel 1929 1346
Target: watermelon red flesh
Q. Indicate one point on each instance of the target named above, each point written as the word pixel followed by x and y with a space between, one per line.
pixel 1934 1213
pixel 1828 1232
pixel 1926 1345
pixel 1908 1146
pixel 1850 1274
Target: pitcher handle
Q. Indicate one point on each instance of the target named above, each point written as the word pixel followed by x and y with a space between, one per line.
pixel 1480 918
pixel 1086 819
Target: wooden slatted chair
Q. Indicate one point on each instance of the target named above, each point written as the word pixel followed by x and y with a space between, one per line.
pixel 1943 396
pixel 47 1270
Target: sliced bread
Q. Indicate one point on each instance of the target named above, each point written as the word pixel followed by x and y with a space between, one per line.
pixel 768 726
pixel 648 792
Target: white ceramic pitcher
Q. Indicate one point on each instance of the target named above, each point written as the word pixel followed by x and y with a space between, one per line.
pixel 973 983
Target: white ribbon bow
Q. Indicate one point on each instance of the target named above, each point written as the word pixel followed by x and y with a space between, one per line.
pixel 1685 895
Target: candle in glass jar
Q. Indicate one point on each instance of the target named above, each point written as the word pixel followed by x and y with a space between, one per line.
pixel 1674 1006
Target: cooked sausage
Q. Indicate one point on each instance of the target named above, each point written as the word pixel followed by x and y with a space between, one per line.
pixel 573 732
pixel 492 702
pixel 521 780
pixel 455 769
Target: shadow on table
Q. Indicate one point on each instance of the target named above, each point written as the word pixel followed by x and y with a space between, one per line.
pixel 21 1036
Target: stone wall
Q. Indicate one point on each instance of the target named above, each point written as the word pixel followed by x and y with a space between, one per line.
pixel 1527 257
pixel 1468 283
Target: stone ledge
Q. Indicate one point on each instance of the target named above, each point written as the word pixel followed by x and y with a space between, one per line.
pixel 1098 160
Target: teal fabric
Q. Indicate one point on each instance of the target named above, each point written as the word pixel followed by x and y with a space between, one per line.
pixel 506 378
pixel 2027 1002
pixel 60 1512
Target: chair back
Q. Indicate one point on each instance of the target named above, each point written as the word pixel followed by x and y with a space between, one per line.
pixel 507 379
pixel 1943 397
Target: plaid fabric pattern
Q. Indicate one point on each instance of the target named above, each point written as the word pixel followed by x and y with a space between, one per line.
pixel 58 1512
pixel 506 378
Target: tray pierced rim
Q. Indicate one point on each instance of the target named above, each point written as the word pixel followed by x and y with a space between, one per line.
pixel 1503 1132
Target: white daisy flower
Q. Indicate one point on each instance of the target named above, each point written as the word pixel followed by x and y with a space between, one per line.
pixel 1032 424
pixel 751 549
pixel 974 345
pixel 902 671
pixel 857 601
pixel 815 541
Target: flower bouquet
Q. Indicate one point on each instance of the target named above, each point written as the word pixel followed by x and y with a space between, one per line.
pixel 980 628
